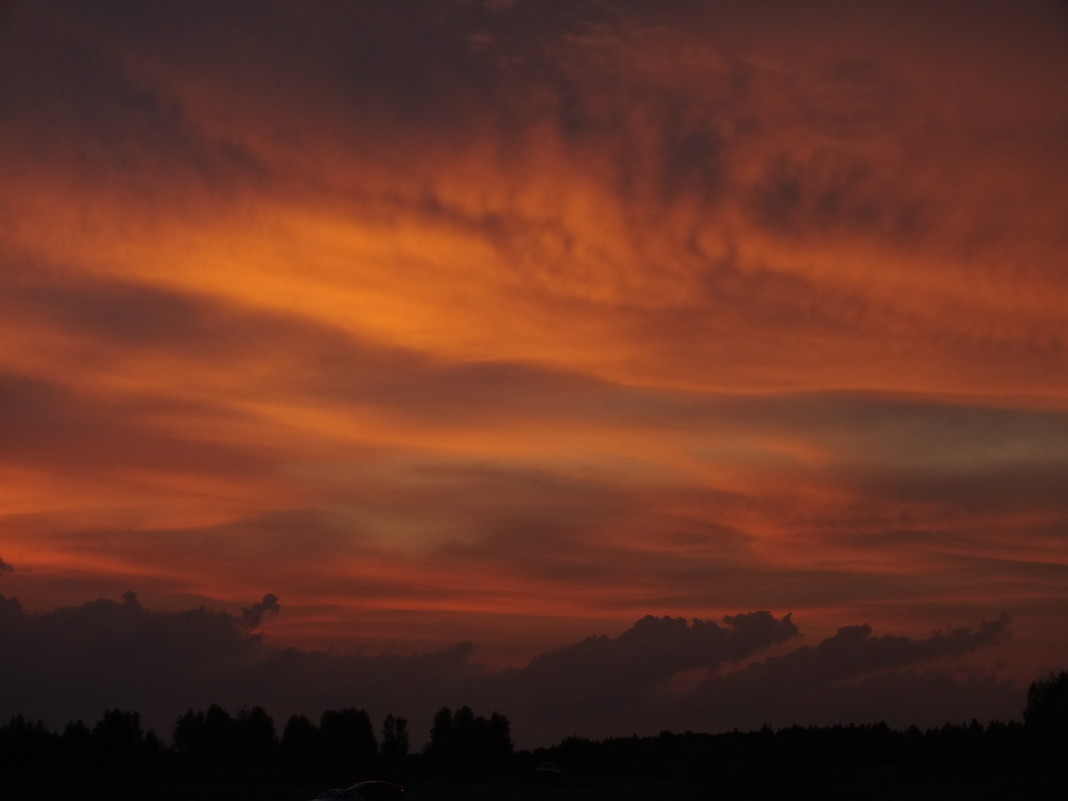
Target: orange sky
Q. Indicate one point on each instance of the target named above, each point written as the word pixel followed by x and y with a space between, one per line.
pixel 513 322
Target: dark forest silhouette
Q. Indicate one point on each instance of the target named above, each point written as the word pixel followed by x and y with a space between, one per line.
pixel 215 754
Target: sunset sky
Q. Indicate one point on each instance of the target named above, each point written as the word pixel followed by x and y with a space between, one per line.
pixel 471 330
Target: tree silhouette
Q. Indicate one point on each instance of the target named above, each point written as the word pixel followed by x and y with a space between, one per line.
pixel 118 740
pixel 76 745
pixel 204 740
pixel 394 738
pixel 1046 718
pixel 441 734
pixel 301 748
pixel 1046 713
pixel 25 745
pixel 499 745
pixel 348 739
pixel 255 742
pixel 461 736
pixel 238 757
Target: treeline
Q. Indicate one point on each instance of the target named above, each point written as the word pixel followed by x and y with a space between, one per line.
pixel 217 747
pixel 974 746
pixel 215 754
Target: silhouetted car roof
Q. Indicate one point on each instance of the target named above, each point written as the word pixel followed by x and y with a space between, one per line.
pixel 364 791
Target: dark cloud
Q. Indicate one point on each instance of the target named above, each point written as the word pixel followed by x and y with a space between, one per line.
pixel 5 567
pixel 201 330
pixel 194 326
pixel 611 684
pixel 656 648
pixel 897 430
pixel 133 130
pixel 660 673
pixel 252 616
pixel 53 425
pixel 128 313
pixel 873 675
pixel 75 661
pixel 854 651
pixel 370 70
pixel 903 447
pixel 834 193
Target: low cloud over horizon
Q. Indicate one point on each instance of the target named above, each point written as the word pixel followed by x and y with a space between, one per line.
pixel 661 673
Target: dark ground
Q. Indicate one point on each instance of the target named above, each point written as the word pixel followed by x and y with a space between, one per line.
pixel 874 784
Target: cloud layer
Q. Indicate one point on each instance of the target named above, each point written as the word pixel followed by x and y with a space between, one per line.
pixel 512 322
